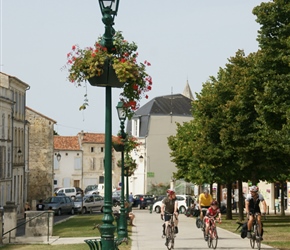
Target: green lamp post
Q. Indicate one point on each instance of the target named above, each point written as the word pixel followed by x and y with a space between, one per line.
pixel 122 225
pixel 109 10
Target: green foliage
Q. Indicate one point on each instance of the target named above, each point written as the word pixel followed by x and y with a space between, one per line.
pixel 241 128
pixel 86 63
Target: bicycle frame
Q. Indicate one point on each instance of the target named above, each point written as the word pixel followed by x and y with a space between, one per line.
pixel 170 233
pixel 255 233
pixel 212 232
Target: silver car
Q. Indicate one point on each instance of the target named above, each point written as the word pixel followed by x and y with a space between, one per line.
pixel 89 203
pixel 59 204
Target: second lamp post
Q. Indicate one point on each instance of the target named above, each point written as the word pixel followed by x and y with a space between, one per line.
pixel 122 225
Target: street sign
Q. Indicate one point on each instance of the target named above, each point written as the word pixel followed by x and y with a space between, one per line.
pixel 150 174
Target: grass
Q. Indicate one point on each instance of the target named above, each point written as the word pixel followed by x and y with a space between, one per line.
pixel 77 226
pixel 276 230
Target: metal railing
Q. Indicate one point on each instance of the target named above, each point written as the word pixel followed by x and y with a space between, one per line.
pixel 26 221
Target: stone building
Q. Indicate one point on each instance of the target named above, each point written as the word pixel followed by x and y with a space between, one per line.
pixel 41 133
pixel 82 160
pixel 13 141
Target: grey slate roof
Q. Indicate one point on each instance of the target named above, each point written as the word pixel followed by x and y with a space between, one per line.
pixel 175 105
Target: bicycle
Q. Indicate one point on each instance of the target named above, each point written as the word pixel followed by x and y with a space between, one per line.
pixel 199 222
pixel 255 236
pixel 212 233
pixel 170 233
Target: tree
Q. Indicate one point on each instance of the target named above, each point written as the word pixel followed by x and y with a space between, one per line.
pixel 274 101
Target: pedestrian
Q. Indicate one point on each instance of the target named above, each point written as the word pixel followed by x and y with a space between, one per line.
pixel 131 199
pixel 26 208
pixel 40 206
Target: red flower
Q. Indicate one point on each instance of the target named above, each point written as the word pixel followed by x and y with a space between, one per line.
pixel 146 96
pixel 73 47
pixel 123 60
pixel 135 87
pixel 149 87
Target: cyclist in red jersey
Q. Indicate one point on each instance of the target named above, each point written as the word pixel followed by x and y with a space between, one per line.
pixel 212 212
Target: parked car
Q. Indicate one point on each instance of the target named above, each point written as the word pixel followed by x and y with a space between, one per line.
pixel 116 197
pixel 94 189
pixel 183 202
pixel 142 200
pixel 59 204
pixel 159 198
pixel 68 191
pixel 88 203
pixel 79 190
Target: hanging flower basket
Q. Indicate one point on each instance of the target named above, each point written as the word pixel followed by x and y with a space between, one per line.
pixel 118 147
pixel 128 173
pixel 108 78
pixel 117 68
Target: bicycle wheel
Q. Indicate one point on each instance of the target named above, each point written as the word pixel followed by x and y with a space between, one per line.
pixel 258 238
pixel 198 222
pixel 209 241
pixel 214 238
pixel 170 237
pixel 253 239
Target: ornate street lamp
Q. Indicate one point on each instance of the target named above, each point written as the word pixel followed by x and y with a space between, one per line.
pixel 58 156
pixel 122 225
pixel 109 10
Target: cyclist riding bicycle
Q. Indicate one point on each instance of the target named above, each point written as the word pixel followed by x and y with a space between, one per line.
pixel 212 212
pixel 170 206
pixel 252 207
pixel 204 201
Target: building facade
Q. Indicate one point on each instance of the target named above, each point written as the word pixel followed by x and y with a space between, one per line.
pixel 82 161
pixel 13 141
pixel 152 124
pixel 40 157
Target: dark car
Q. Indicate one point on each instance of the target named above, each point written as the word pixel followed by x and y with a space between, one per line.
pixel 116 197
pixel 60 204
pixel 142 200
pixel 79 190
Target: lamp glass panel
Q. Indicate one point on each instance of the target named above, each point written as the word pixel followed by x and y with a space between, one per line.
pixel 121 111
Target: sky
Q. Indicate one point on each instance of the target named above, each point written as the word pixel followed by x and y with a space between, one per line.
pixel 184 40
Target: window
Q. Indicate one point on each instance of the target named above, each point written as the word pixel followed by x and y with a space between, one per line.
pixel 3 126
pixel 93 163
pixel 55 163
pixel 101 164
pixel 77 163
pixel 92 149
pixel 102 149
pixel 135 127
pixel 101 179
pixel 55 182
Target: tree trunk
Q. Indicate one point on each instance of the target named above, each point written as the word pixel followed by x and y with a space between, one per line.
pixel 241 200
pixel 229 215
pixel 282 198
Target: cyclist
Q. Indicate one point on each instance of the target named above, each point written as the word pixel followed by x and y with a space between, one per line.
pixel 212 212
pixel 252 207
pixel 204 202
pixel 170 206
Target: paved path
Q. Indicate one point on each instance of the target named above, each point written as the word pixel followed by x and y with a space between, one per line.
pixel 147 235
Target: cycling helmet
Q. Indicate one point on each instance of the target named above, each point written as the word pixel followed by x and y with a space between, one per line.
pixel 254 189
pixel 170 191
pixel 214 203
